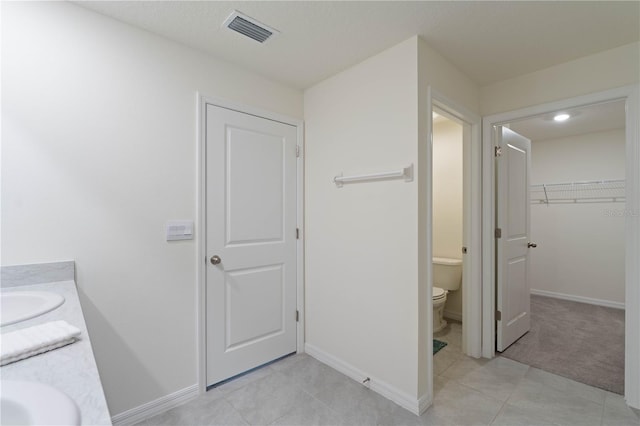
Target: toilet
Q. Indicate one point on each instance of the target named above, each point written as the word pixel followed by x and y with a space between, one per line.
pixel 447 276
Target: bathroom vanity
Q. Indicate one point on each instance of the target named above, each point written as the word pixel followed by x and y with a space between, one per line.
pixel 70 369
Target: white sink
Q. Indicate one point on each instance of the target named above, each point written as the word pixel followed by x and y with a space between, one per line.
pixel 18 306
pixel 31 403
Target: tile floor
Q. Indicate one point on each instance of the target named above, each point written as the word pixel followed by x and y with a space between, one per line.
pixel 299 390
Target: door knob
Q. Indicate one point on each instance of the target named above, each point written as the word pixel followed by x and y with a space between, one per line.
pixel 532 245
pixel 215 260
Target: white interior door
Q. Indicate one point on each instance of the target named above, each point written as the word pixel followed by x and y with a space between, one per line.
pixel 250 241
pixel 513 298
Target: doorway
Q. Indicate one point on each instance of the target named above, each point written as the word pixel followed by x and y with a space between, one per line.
pixel 628 96
pixel 448 226
pixel 471 289
pixel 576 263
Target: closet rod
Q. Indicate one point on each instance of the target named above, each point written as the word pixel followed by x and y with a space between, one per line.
pixel 405 173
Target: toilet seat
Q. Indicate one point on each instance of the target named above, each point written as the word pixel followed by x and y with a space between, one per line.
pixel 438 293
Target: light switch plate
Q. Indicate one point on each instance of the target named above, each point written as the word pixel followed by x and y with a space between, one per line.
pixel 179 230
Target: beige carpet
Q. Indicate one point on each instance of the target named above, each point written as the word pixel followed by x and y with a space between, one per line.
pixel 579 341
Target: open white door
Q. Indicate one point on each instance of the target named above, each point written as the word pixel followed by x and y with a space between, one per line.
pixel 250 241
pixel 513 165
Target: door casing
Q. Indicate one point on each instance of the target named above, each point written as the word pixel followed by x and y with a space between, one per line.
pixel 630 94
pixel 471 310
pixel 201 167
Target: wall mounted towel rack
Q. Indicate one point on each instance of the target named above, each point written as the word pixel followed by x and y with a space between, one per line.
pixel 602 191
pixel 405 173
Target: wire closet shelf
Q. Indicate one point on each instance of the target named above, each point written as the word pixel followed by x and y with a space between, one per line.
pixel 603 191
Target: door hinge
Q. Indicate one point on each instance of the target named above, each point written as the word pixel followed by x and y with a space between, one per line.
pixel 498 233
pixel 297 316
pixel 297 150
pixel 297 233
pixel 497 151
pixel 498 316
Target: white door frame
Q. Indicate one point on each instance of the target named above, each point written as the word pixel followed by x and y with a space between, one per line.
pixel 201 219
pixel 471 311
pixel 632 227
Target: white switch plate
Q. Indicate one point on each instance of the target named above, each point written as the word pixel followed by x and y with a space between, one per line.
pixel 179 230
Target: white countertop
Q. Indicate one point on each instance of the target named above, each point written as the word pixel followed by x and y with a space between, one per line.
pixel 71 369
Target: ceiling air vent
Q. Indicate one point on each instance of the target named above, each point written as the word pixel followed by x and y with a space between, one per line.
pixel 249 27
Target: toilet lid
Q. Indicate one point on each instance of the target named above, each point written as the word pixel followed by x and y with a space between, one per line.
pixel 438 293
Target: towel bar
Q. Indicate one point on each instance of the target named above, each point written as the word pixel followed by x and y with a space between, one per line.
pixel 405 173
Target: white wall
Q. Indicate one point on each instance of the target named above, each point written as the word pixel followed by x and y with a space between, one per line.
pixel 581 247
pixel 361 240
pixel 448 201
pixel 601 71
pixel 447 189
pixel 98 152
pixel 366 257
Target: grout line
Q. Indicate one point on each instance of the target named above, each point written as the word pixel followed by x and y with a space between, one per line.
pixel 282 416
pixel 602 412
pixel 253 382
pixel 442 373
pixel 519 383
pixel 478 391
pixel 338 415
pixel 224 396
pixel 502 407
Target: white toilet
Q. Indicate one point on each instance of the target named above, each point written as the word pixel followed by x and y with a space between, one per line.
pixel 447 276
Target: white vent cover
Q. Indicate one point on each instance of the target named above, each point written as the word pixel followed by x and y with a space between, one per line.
pixel 249 27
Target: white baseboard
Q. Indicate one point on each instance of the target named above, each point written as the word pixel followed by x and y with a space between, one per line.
pixel 424 403
pixel 416 406
pixel 582 299
pixel 155 407
pixel 453 315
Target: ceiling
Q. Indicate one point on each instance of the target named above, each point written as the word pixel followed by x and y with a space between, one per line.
pixel 585 119
pixel 488 41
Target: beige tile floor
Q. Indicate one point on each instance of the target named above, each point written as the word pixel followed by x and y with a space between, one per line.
pixel 300 390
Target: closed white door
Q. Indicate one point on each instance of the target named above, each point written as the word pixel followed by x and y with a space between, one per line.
pixel 250 241
pixel 513 298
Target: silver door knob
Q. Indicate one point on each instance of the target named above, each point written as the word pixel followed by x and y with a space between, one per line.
pixel 215 260
pixel 532 245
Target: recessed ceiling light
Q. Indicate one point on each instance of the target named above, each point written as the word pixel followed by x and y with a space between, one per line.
pixel 561 117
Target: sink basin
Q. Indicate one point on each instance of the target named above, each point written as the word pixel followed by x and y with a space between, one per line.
pixel 18 306
pixel 31 403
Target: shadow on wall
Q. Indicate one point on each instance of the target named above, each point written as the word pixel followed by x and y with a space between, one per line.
pixel 119 353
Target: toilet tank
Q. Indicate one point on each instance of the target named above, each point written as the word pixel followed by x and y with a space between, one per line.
pixel 447 273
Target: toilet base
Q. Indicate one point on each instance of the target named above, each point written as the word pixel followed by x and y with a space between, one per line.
pixel 439 323
pixel 441 326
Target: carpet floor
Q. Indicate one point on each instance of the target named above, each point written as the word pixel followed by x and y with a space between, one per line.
pixel 579 341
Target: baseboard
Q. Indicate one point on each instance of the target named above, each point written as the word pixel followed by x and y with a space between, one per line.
pixel 453 315
pixel 155 407
pixel 424 403
pixel 582 299
pixel 390 392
